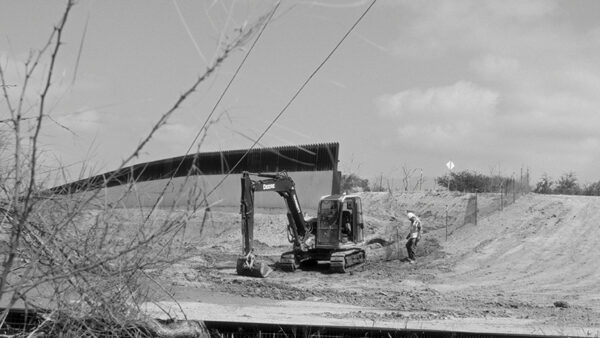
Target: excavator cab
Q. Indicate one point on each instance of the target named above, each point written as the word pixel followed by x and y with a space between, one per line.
pixel 339 222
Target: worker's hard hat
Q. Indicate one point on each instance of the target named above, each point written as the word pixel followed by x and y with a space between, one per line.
pixel 410 215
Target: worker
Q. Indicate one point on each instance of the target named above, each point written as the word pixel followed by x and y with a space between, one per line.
pixel 413 237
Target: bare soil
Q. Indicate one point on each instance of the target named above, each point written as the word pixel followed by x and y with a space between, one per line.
pixel 538 258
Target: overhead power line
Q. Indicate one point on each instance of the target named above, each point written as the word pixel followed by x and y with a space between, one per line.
pixel 208 118
pixel 293 98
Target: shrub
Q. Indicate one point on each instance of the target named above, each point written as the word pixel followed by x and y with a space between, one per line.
pixel 592 189
pixel 567 185
pixel 353 183
pixel 544 185
pixel 470 181
pixel 87 260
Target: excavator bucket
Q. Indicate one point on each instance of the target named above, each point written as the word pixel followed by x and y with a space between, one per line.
pixel 254 269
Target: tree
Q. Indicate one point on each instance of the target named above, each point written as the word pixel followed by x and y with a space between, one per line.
pixel 592 189
pixel 471 181
pixel 468 181
pixel 567 185
pixel 544 185
pixel 353 183
pixel 406 178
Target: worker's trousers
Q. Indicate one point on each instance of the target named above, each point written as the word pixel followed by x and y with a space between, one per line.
pixel 411 247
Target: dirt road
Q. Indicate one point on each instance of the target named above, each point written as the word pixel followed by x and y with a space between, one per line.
pixel 537 260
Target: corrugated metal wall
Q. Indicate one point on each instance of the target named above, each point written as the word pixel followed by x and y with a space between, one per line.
pixel 184 179
pixel 310 186
pixel 311 157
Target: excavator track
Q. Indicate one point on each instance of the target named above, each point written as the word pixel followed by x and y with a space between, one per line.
pixel 342 260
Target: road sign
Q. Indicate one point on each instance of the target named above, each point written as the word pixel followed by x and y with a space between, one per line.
pixel 450 165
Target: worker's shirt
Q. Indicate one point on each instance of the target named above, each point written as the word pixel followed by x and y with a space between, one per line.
pixel 415 228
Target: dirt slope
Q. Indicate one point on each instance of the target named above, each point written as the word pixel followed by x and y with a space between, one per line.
pixel 542 245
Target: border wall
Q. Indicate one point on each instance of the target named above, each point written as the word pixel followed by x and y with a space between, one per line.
pixel 182 191
pixel 215 176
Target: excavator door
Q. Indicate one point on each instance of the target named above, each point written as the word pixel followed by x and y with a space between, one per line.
pixel 359 224
pixel 352 220
pixel 328 223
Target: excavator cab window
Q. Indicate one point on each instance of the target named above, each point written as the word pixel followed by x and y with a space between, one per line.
pixel 329 212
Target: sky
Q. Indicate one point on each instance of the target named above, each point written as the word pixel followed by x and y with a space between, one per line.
pixel 493 86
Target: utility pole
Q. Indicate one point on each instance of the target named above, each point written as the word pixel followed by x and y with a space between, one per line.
pixel 513 187
pixel 521 182
pixel 501 194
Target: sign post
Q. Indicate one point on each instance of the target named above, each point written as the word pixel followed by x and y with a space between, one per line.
pixel 450 166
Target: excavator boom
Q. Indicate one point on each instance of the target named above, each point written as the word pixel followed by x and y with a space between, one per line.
pixel 285 187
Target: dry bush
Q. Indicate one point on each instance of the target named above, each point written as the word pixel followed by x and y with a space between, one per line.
pixel 87 263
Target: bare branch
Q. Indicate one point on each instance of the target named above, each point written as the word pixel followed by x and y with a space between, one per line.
pixel 50 73
pixel 87 262
pixel 87 20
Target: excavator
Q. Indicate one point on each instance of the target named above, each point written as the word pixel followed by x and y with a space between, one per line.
pixel 334 236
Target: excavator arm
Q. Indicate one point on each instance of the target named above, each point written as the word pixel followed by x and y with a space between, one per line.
pixel 298 227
